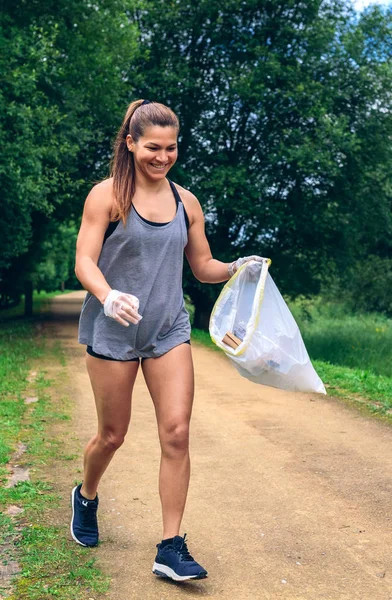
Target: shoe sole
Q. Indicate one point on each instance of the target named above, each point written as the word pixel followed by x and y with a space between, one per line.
pixel 72 520
pixel 165 571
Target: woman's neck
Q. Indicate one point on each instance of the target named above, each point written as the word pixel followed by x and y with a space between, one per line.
pixel 147 186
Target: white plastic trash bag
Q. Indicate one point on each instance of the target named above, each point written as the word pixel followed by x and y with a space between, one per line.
pixel 255 328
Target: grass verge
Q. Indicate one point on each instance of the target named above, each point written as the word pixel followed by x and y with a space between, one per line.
pixel 333 334
pixel 34 543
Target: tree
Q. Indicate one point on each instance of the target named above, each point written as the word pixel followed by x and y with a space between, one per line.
pixel 64 91
pixel 285 126
pixel 277 100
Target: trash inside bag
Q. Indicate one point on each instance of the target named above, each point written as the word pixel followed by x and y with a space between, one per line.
pixel 253 325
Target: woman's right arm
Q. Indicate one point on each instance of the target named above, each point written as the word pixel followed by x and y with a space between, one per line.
pixel 95 220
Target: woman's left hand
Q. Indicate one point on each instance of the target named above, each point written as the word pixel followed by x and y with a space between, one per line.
pixel 235 265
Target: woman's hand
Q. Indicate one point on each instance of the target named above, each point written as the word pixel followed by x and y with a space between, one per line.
pixel 235 265
pixel 122 307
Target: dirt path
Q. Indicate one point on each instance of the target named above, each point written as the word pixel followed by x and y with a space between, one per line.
pixel 290 494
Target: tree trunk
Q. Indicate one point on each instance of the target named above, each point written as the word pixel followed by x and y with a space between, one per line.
pixel 28 291
pixel 203 304
pixel 202 318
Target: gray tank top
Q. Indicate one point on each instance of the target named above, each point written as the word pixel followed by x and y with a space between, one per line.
pixel 145 261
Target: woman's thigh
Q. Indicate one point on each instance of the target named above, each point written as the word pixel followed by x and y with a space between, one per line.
pixel 170 381
pixel 112 383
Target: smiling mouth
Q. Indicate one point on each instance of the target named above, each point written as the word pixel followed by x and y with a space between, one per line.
pixel 159 167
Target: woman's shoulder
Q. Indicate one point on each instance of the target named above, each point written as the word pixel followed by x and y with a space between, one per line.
pixel 184 193
pixel 189 200
pixel 100 198
pixel 103 187
pixel 102 191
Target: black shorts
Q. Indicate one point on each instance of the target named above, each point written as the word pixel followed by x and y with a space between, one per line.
pixel 91 352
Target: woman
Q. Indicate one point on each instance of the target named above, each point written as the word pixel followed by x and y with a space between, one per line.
pixel 135 228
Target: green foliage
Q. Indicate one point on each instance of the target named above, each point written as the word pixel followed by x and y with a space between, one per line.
pixel 285 130
pixel 29 148
pixel 63 97
pixel 58 259
pixel 367 285
pixel 333 334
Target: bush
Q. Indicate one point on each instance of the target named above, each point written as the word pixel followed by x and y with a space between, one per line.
pixel 333 333
pixel 367 287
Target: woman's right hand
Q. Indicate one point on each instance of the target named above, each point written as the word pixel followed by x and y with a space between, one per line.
pixel 122 307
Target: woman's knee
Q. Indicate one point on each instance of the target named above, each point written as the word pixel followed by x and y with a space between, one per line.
pixel 175 439
pixel 111 440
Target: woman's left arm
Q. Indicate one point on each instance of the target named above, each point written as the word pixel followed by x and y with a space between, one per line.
pixel 204 267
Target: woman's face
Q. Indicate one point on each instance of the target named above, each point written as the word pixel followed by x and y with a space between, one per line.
pixel 155 152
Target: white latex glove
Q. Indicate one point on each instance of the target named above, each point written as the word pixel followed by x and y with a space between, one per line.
pixel 235 265
pixel 122 308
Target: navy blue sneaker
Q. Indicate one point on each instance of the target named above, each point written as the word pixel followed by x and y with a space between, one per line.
pixel 174 561
pixel 84 525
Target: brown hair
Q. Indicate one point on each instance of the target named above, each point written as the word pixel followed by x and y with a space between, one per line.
pixel 137 119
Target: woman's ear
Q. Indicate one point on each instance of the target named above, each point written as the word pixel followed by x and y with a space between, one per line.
pixel 129 142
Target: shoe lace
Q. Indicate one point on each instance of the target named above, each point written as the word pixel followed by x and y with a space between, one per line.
pixel 184 552
pixel 89 514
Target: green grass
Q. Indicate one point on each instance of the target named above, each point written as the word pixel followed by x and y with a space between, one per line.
pixel 51 566
pixel 19 345
pixel 351 352
pixel 375 390
pixel 331 334
pixel 203 337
